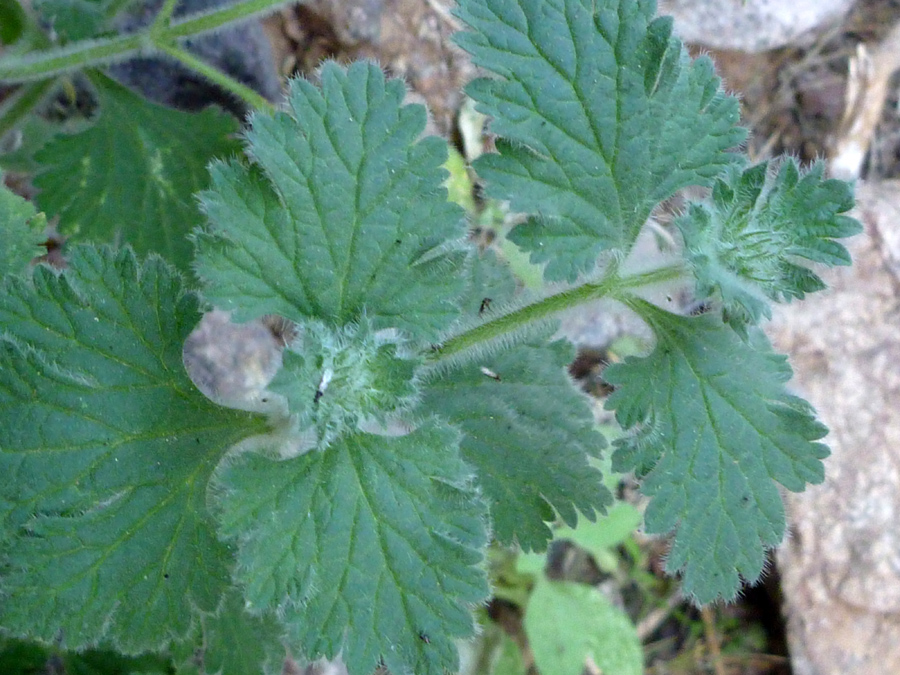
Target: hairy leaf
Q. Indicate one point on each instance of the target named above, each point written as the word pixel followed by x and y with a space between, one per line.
pixel 341 212
pixel 335 380
pixel 21 232
pixel 370 549
pixel 528 432
pixel 746 243
pixel 600 114
pixel 233 641
pixel 714 431
pixel 131 177
pixel 106 449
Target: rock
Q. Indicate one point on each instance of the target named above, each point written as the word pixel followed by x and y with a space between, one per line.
pixel 753 25
pixel 840 565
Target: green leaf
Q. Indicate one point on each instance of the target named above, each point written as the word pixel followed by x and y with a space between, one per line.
pixel 528 435
pixel 490 284
pixel 72 20
pixel 234 641
pixel 343 211
pixel 334 381
pixel 601 115
pixel 382 560
pixel 610 530
pixel 107 449
pixel 12 21
pixel 509 660
pixel 568 623
pixel 18 657
pixel 713 432
pixel 746 243
pixel 131 177
pixel 21 232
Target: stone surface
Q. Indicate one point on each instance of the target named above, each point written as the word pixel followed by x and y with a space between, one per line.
pixel 753 25
pixel 840 565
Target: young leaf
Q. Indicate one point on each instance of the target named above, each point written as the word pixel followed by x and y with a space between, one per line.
pixel 106 449
pixel 600 114
pixel 746 242
pixel 21 232
pixel 528 431
pixel 569 623
pixel 342 211
pixel 370 549
pixel 713 431
pixel 335 380
pixel 132 175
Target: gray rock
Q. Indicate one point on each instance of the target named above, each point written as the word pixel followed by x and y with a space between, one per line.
pixel 753 25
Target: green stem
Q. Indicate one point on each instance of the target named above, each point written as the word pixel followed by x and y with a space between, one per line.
pixel 52 62
pixel 226 82
pixel 162 20
pixel 202 22
pixel 21 102
pixel 101 51
pixel 611 285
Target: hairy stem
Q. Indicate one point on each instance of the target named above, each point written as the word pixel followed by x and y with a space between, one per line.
pixel 18 104
pixel 91 53
pixel 215 75
pixel 612 285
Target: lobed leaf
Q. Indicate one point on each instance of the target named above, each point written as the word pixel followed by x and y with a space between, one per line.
pixel 528 434
pixel 713 432
pixel 747 242
pixel 107 449
pixel 131 177
pixel 342 212
pixel 600 115
pixel 370 549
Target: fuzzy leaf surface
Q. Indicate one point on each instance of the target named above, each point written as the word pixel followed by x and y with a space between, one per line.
pixel 131 177
pixel 107 449
pixel 21 232
pixel 528 435
pixel 341 211
pixel 233 641
pixel 747 242
pixel 335 380
pixel 601 115
pixel 713 433
pixel 385 546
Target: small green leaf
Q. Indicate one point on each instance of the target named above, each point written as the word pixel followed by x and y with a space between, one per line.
pixel 72 20
pixel 601 115
pixel 713 431
pixel 569 623
pixel 528 434
pixel 342 212
pixel 370 549
pixel 745 244
pixel 21 232
pixel 107 449
pixel 609 530
pixel 12 21
pixel 131 177
pixel 334 381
